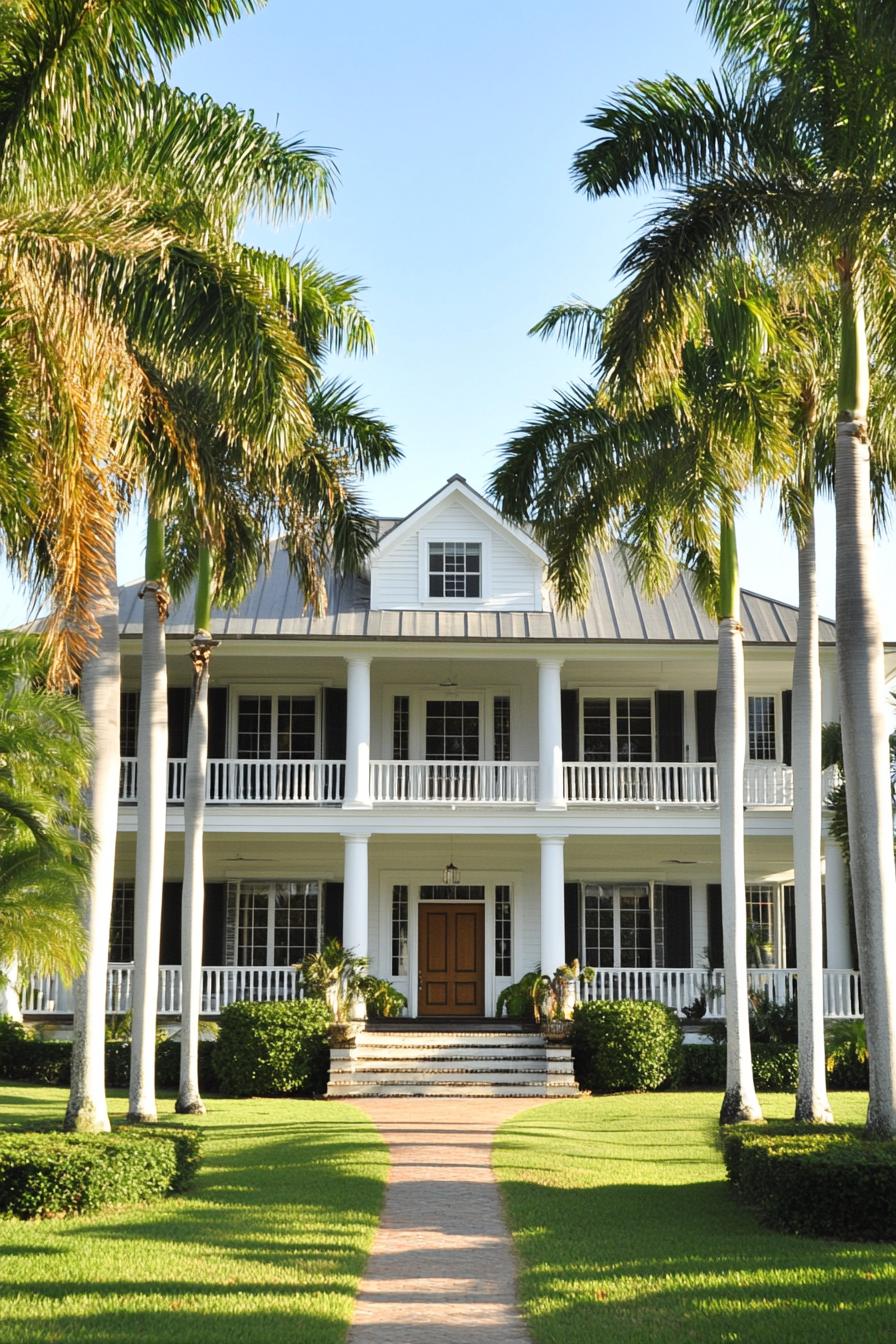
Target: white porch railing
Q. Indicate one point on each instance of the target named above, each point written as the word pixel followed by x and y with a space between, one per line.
pixel 453 781
pixel 671 783
pixel 221 985
pixel 678 987
pixel 640 782
pixel 253 781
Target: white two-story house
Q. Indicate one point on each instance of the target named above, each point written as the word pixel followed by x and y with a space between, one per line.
pixel 463 784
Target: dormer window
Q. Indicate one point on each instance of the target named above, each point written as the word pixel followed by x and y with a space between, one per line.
pixel 455 569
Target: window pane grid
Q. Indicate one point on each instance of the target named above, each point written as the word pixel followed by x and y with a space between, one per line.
pixel 634 729
pixel 502 931
pixel 130 710
pixel 399 930
pixel 253 737
pixel 295 727
pixel 760 922
pixel 459 893
pixel 618 925
pixel 761 718
pixel 401 727
pixel 296 915
pixel 452 730
pixel 455 569
pixel 596 721
pixel 121 927
pixel 502 728
pixel 253 924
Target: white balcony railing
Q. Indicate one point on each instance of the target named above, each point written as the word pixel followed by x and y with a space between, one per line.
pixel 453 781
pixel 221 985
pixel 585 783
pixel 672 783
pixel 679 987
pixel 253 781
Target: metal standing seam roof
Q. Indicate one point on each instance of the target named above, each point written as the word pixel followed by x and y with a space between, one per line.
pixel 616 612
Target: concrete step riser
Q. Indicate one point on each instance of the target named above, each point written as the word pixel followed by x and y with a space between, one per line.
pixel 549 1094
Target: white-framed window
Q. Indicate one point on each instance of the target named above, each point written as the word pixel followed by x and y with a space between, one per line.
pixel 765 924
pixel 503 940
pixel 276 727
pixel 121 926
pixel 400 961
pixel 618 924
pixel 278 923
pixel 617 728
pixel 761 741
pixel 454 569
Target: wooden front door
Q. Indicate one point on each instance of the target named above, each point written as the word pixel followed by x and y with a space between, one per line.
pixel 452 960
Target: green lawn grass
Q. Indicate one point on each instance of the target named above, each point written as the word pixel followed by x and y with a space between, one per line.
pixel 267 1247
pixel 627 1231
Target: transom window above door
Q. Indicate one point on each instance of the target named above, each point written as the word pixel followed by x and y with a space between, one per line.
pixel 282 727
pixel 455 569
pixel 617 728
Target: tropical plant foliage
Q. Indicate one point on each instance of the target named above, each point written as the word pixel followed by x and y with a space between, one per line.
pixel 43 855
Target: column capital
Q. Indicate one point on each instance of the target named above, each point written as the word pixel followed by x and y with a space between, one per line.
pixel 544 836
pixel 356 836
pixel 550 660
pixel 359 659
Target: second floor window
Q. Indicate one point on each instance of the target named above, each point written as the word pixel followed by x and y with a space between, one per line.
pixel 761 727
pixel 455 569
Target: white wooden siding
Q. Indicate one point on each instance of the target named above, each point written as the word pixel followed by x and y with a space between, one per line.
pixel 512 577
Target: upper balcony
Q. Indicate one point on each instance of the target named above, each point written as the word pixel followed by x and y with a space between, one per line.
pixel 655 784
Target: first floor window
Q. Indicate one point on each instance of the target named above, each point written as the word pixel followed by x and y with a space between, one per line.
pixel 121 928
pixel 761 924
pixel 502 931
pixel 278 923
pixel 619 924
pixel 761 727
pixel 399 930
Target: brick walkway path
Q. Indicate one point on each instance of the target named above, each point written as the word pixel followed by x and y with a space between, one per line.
pixel 442 1268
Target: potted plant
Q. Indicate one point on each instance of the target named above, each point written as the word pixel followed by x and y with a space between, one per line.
pixel 554 997
pixel 337 976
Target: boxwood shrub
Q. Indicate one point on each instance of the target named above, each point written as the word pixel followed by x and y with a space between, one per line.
pixel 829 1182
pixel 775 1067
pixel 50 1173
pixel 272 1049
pixel 625 1046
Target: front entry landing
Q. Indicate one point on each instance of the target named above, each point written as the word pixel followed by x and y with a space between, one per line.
pixel 451 960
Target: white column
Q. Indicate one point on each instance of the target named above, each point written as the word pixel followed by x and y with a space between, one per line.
pixel 553 934
pixel 836 908
pixel 354 910
pixel 357 732
pixel 550 735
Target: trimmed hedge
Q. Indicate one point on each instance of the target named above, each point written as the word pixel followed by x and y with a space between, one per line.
pixel 775 1067
pixel 625 1046
pixel 25 1058
pixel 273 1049
pixel 47 1174
pixel 829 1182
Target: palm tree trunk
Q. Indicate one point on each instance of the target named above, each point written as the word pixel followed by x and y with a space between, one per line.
pixel 101 701
pixel 740 1101
pixel 863 707
pixel 152 797
pixel 189 1100
pixel 812 1105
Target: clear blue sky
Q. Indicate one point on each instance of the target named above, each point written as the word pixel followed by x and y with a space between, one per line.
pixel 454 126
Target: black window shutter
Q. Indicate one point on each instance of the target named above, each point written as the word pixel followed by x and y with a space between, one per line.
pixel 677 949
pixel 705 707
pixel 217 726
pixel 572 925
pixel 169 940
pixel 333 902
pixel 569 724
pixel 179 698
pixel 789 948
pixel 714 920
pixel 335 706
pixel 787 733
pixel 214 924
pixel 670 726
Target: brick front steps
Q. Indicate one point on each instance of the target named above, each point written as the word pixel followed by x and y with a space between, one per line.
pixel 475 1061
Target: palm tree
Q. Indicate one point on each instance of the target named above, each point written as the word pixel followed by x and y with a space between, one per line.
pixel 324 525
pixel 663 476
pixel 44 863
pixel 118 206
pixel 782 148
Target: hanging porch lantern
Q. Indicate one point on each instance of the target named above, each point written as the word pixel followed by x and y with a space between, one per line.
pixel 451 875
